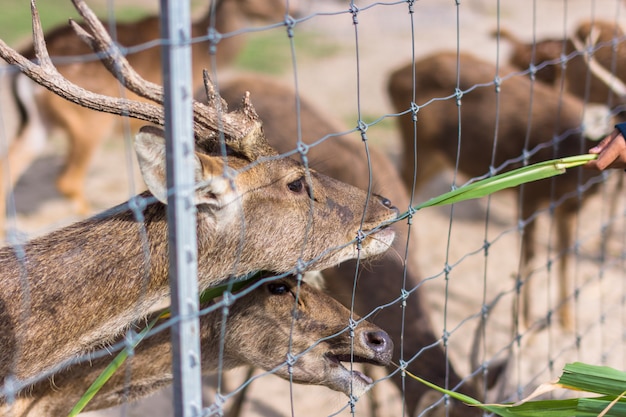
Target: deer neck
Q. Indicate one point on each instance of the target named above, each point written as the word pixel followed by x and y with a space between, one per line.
pixel 103 273
pixel 228 18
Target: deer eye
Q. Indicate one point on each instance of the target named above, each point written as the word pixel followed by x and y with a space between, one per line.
pixel 300 185
pixel 296 186
pixel 278 288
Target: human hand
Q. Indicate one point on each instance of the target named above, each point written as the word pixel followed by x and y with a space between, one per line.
pixel 611 152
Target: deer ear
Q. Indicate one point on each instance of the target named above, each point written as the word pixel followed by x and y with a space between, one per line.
pixel 213 188
pixel 150 149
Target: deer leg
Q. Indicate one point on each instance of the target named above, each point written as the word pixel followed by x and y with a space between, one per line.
pixel 615 197
pixel 240 398
pixel 83 141
pixel 26 146
pixel 564 219
pixel 22 152
pixel 528 254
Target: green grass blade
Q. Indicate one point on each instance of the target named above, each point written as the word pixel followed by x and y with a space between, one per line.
pixel 121 357
pixel 508 179
pixel 233 285
pixel 595 406
pixel 115 364
pixel 591 378
pixel 577 375
pixel 501 410
pixel 550 408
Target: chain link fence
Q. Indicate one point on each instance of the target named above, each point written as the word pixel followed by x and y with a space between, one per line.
pixel 450 291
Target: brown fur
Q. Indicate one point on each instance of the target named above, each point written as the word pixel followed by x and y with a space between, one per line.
pixel 262 328
pixel 86 129
pixel 379 281
pixel 92 279
pixel 545 50
pixel 437 133
pixel 577 72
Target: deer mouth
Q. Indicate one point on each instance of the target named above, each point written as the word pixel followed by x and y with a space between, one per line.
pixel 378 241
pixel 350 382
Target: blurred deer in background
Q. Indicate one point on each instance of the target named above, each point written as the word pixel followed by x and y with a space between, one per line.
pixel 93 279
pixel 43 111
pixel 380 281
pixel 263 326
pixel 555 131
pixel 605 67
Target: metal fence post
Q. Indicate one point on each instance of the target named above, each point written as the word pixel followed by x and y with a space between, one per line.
pixel 181 213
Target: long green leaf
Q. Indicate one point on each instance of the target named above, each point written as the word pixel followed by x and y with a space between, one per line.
pixel 513 178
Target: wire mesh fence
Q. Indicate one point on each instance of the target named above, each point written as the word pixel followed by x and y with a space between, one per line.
pixel 358 91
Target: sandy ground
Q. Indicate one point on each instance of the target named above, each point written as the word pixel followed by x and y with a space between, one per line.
pixel 384 43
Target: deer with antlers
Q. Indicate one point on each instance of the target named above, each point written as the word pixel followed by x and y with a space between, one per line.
pixel 345 158
pixel 45 111
pixel 91 280
pixel 264 325
pixel 596 51
pixel 556 131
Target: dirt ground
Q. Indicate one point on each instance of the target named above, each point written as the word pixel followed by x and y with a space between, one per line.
pixel 384 43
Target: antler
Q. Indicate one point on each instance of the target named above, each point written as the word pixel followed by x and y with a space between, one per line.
pixel 237 127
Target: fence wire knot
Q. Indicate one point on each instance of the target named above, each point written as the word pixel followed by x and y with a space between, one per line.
pixel 129 341
pixel 414 110
pixel 214 37
pixel 532 71
pixel 217 408
pixel 459 95
pixel 362 126
pixel 497 82
pixel 444 337
pixel 411 6
pixel 352 325
pixel 484 311
pixel 291 361
pixel 227 298
pixel 360 236
pixel 355 11
pixel 352 402
pixel 302 148
pixel 137 205
pixel 486 246
pixel 290 23
pixel 300 268
pixel 404 294
pixel 410 214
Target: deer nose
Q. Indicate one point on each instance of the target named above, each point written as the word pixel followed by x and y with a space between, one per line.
pixel 387 203
pixel 380 343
